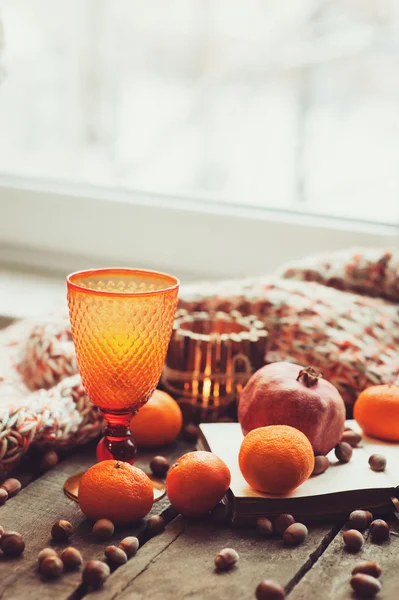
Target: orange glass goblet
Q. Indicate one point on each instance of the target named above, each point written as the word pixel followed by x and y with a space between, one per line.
pixel 121 323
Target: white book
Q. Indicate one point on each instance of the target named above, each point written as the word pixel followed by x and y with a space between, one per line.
pixel 334 493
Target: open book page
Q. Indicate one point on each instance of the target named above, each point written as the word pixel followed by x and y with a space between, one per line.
pixel 224 440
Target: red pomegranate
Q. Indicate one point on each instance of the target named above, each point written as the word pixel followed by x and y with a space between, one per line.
pixel 283 393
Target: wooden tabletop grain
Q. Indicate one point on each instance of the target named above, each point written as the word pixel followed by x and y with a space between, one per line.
pixel 179 562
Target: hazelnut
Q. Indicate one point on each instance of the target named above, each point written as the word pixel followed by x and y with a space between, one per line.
pixel 12 543
pixel 264 526
pixel 321 464
pixel 365 585
pixel 115 556
pixel 352 438
pixel 220 513
pixel 159 465
pixel 353 540
pixel 71 558
pixel 268 590
pixel 282 522
pixel 343 451
pixel 191 433
pixel 61 530
pixel 155 525
pixel 3 496
pixel 12 486
pixel 379 530
pixel 295 534
pixel 377 462
pixel 49 460
pixel 103 529
pixel 226 559
pixel 1 531
pixel 368 568
pixel 360 519
pixel 129 545
pixel 45 553
pixel 51 566
pixel 95 574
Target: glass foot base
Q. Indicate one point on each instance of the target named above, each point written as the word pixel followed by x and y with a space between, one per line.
pixel 71 487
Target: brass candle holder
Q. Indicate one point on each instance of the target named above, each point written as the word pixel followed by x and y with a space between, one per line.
pixel 210 358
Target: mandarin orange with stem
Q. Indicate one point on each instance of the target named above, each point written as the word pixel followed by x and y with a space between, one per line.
pixel 276 459
pixel 196 483
pixel 377 412
pixel 117 491
pixel 158 422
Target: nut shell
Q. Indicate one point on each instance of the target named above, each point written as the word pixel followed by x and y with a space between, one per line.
pixel 282 522
pixel 155 525
pixel 295 534
pixel 115 556
pixel 129 545
pixel 351 437
pixel 191 433
pixel 95 574
pixel 360 519
pixel 353 540
pixel 45 553
pixel 49 460
pixel 368 568
pixel 12 486
pixel 365 585
pixel 377 462
pixel 343 451
pixel 321 464
pixel 269 590
pixel 61 530
pixel 71 558
pixel 12 544
pixel 103 529
pixel 226 559
pixel 379 530
pixel 51 567
pixel 264 526
pixel 159 465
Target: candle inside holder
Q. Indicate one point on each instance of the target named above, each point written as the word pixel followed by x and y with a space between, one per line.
pixel 210 359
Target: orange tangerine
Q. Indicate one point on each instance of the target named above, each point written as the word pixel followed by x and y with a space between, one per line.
pixel 196 483
pixel 276 459
pixel 377 412
pixel 158 422
pixel 116 491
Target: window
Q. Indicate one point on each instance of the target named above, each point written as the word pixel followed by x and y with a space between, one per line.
pixel 207 107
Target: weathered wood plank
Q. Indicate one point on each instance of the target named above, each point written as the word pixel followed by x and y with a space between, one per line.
pixel 123 580
pixel 179 563
pixel 331 574
pixel 37 507
pixel 32 513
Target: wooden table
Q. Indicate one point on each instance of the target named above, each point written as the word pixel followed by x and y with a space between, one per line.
pixel 178 563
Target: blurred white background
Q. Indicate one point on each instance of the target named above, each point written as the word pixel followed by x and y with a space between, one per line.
pixel 262 102
pixel 210 107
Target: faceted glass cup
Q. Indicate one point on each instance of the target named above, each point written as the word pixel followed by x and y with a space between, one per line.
pixel 121 323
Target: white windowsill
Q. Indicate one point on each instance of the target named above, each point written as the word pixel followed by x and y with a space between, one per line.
pixel 25 295
pixel 59 227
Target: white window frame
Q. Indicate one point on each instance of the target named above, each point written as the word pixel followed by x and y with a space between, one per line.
pixel 61 226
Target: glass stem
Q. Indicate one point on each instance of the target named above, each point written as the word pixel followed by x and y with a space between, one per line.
pixel 117 442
